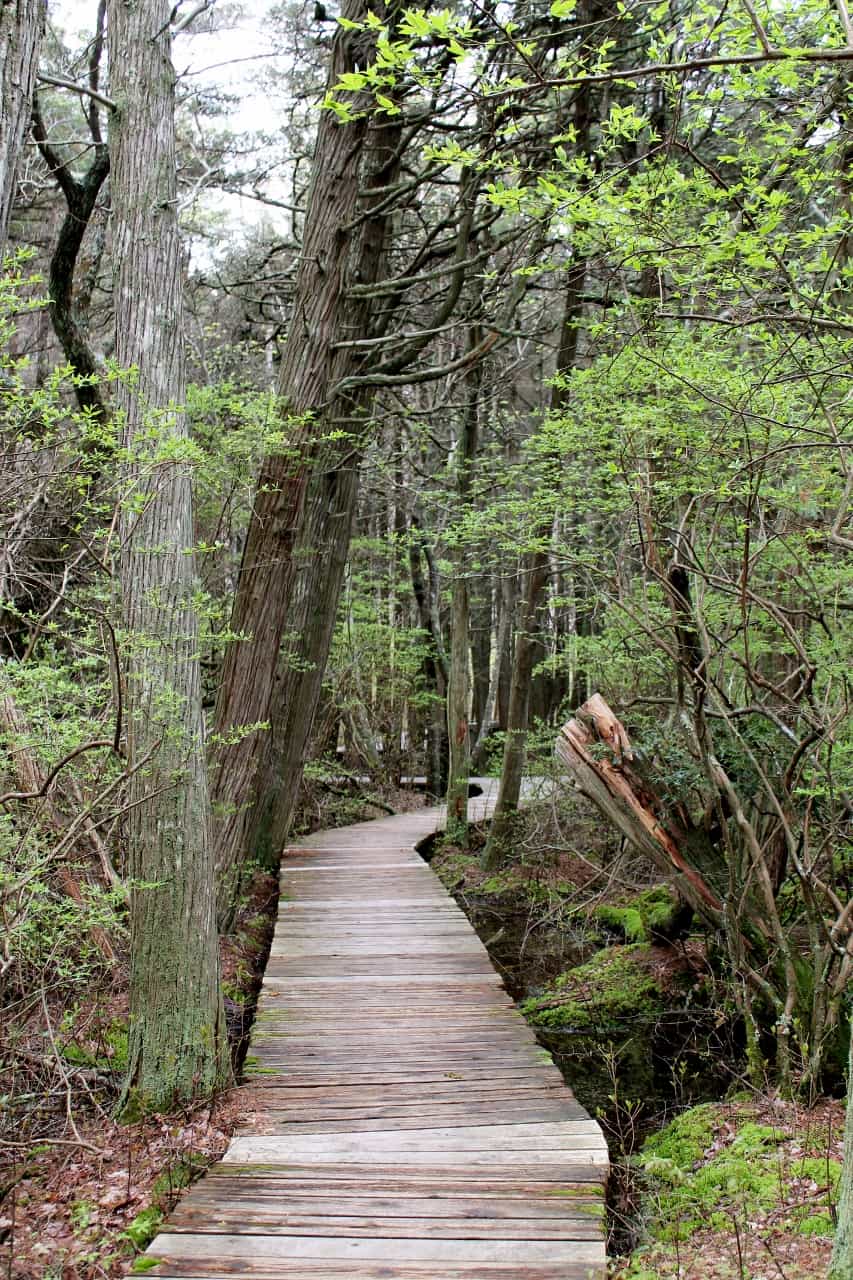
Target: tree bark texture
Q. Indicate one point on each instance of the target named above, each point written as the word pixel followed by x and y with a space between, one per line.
pixel 515 746
pixel 20 37
pixel 426 591
pixel 291 531
pixel 321 558
pixel 459 682
pixel 178 1047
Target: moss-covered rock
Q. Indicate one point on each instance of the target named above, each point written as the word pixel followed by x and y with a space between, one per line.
pixel 616 986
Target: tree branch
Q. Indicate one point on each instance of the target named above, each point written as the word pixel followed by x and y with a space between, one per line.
pixel 59 82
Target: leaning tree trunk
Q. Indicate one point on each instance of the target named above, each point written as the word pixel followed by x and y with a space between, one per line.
pixel 343 246
pixel 20 36
pixel 321 557
pixel 178 1047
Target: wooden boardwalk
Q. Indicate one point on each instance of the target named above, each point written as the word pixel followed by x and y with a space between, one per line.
pixel 411 1127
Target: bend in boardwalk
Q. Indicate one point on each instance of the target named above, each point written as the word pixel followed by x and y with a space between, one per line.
pixel 411 1127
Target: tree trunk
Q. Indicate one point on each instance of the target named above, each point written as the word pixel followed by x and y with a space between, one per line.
pixel 435 665
pixel 20 36
pixel 459 763
pixel 343 245
pixel 80 197
pixel 178 1048
pixel 515 747
pixel 481 649
pixel 841 1265
pixel 503 606
pixel 324 542
pixel 538 564
pixel 459 684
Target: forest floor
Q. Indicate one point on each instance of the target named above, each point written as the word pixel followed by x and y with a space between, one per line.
pixel 84 1196
pixel 710 1177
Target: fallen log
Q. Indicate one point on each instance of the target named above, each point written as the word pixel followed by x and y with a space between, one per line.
pixel 626 801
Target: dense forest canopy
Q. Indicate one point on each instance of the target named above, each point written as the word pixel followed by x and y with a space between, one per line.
pixel 378 389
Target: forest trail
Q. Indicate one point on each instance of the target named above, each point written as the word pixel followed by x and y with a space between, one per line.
pixel 410 1127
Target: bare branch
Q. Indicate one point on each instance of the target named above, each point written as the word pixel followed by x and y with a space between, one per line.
pixel 844 15
pixel 758 26
pixel 59 82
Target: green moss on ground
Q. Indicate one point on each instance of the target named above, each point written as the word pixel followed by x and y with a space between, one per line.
pixel 614 987
pixel 530 884
pixel 712 1165
pixel 453 867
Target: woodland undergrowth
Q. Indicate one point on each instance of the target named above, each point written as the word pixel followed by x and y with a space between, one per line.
pixel 711 1175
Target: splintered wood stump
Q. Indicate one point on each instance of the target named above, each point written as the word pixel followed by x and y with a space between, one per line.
pixel 626 800
pixel 410 1127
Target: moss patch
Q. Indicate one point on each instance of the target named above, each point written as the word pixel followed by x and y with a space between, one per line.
pixel 454 867
pixel 615 987
pixel 653 913
pixel 714 1164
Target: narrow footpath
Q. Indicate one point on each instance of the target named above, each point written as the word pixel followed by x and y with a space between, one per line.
pixel 410 1128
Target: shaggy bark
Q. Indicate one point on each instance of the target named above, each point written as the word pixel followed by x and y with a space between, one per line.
pixel 299 531
pixel 20 36
pixel 177 1047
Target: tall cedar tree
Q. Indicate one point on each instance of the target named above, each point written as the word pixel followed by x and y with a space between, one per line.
pixel 178 1047
pixel 296 547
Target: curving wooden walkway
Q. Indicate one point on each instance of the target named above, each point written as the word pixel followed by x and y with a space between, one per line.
pixel 412 1129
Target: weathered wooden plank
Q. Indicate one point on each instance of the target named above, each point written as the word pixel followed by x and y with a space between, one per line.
pixel 264 1150
pixel 498 1179
pixel 409 1127
pixel 454 1108
pixel 337 1269
pixel 225 1245
pixel 248 1220
pixel 276 1124
pixel 415 1075
pixel 407 1095
pixel 267 1199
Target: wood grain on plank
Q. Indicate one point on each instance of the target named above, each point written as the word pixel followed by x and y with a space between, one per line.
pixel 409 1126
